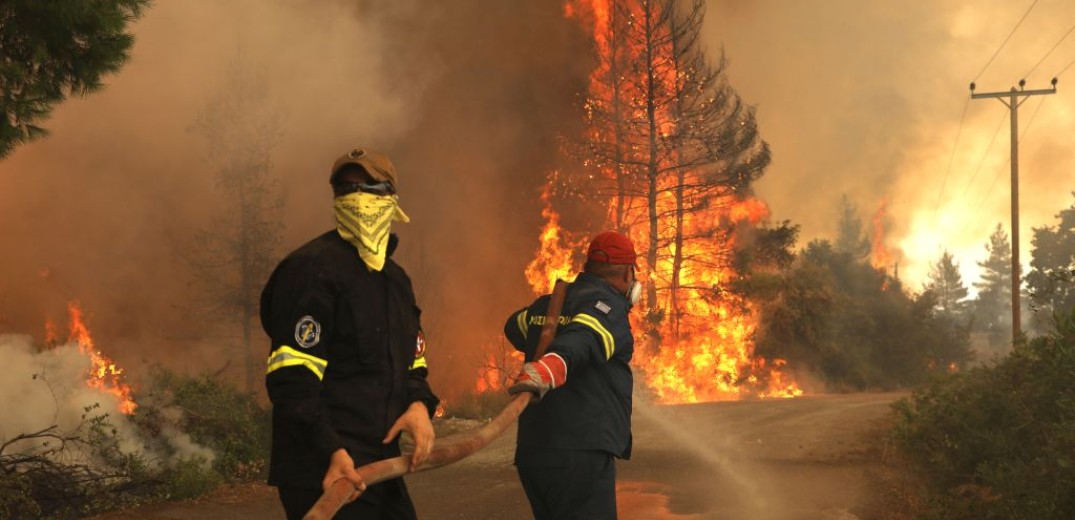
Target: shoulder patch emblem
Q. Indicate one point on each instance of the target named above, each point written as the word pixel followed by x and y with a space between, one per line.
pixel 603 307
pixel 420 348
pixel 307 332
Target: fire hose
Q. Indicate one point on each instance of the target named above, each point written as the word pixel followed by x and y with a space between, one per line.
pixel 451 449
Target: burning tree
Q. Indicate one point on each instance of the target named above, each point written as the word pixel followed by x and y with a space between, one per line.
pixel 671 151
pixel 674 146
pixel 234 256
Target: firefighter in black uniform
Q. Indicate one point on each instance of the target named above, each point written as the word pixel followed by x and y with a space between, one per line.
pixel 347 368
pixel 567 441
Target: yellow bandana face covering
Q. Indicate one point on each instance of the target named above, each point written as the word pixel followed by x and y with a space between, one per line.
pixel 364 220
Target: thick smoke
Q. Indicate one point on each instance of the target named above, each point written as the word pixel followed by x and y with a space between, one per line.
pixel 468 99
pixel 47 389
pixel 866 98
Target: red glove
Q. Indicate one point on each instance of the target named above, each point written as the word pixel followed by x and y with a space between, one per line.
pixel 541 376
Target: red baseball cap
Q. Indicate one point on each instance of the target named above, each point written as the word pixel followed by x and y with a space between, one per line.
pixel 611 247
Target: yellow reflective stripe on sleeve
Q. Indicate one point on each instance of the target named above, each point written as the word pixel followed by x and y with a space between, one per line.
pixel 419 362
pixel 286 356
pixel 606 336
pixel 521 319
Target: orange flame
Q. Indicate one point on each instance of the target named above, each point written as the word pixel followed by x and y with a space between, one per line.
pixel 879 255
pixel 554 258
pixel 701 349
pixel 52 336
pixel 495 374
pixel 104 374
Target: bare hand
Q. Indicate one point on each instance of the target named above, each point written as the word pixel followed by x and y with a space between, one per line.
pixel 343 467
pixel 416 422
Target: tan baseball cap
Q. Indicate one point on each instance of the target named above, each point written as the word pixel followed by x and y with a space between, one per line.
pixel 376 164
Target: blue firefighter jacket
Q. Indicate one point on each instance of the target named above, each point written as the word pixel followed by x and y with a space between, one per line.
pixel 592 410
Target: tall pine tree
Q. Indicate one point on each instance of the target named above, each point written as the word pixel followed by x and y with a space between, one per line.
pixel 1051 280
pixel 947 283
pixel 851 238
pixel 993 306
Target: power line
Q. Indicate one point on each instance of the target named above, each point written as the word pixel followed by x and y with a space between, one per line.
pixel 1063 69
pixel 1055 45
pixel 1005 42
pixel 996 132
pixel 1015 98
pixel 948 170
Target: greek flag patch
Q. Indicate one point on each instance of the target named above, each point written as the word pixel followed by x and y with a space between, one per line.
pixel 603 307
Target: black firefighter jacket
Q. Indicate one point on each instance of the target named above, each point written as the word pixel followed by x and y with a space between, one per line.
pixel 347 358
pixel 592 411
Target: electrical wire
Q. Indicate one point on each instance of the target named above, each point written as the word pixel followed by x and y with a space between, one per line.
pixel 948 170
pixel 1055 45
pixel 1022 135
pixel 1064 69
pixel 996 132
pixel 1005 42
pixel 996 178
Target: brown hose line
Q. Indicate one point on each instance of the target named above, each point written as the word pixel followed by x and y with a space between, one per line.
pixel 452 448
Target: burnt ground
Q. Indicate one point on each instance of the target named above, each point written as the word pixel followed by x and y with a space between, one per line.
pixel 803 459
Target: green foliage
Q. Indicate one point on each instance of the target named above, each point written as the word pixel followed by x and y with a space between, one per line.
pixel 851 239
pixel 1051 280
pixel 53 473
pixel 998 442
pixel 993 306
pixel 16 500
pixel 854 326
pixel 189 478
pixel 70 474
pixel 946 283
pixel 52 49
pixel 219 417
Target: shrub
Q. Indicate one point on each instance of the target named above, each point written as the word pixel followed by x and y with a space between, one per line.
pixel 219 417
pixel 998 442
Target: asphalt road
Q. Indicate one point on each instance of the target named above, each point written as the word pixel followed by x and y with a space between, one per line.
pixel 797 459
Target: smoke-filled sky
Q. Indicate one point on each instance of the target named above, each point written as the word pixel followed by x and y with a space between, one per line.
pixel 866 98
pixel 862 98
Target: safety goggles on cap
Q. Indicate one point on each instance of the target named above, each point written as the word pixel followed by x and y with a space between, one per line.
pixel 379 188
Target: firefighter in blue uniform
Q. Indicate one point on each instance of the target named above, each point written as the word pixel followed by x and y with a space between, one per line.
pixel 347 368
pixel 568 440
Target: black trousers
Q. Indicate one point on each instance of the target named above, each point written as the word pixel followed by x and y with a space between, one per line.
pixel 385 501
pixel 568 484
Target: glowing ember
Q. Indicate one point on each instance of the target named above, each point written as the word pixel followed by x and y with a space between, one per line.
pixel 104 374
pixel 441 411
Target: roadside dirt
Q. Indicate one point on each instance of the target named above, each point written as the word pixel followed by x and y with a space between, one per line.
pixel 799 459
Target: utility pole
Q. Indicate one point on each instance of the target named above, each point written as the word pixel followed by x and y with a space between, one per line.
pixel 1015 98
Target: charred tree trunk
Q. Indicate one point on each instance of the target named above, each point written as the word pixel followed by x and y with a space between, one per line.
pixel 677 255
pixel 652 185
pixel 618 158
